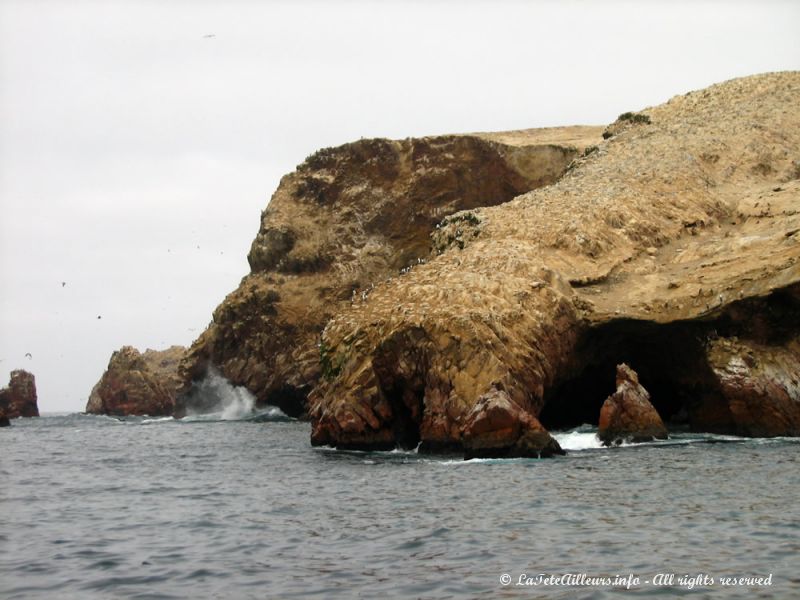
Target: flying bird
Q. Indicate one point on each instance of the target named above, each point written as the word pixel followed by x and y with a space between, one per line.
pixel 28 355
pixel 209 35
pixel 63 283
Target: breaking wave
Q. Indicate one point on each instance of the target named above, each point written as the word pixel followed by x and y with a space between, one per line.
pixel 580 438
pixel 214 398
pixel 218 397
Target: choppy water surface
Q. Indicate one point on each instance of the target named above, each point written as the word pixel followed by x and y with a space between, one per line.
pixel 93 507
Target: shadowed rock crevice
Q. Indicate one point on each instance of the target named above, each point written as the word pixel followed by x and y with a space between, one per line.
pixel 401 367
pixel 663 356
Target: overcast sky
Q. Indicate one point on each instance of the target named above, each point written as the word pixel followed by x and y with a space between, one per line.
pixel 136 152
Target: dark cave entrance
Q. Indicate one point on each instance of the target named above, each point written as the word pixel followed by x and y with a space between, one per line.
pixel 407 405
pixel 290 399
pixel 669 360
pixel 400 367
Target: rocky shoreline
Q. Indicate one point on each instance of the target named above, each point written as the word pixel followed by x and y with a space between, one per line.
pixel 468 293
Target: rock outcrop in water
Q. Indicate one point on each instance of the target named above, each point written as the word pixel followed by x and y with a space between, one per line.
pixel 498 428
pixel 673 246
pixel 138 383
pixel 627 414
pixel 346 220
pixel 19 399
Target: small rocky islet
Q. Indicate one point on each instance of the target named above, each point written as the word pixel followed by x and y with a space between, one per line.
pixel 18 398
pixel 466 293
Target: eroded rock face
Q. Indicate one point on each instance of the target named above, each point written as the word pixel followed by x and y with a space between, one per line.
pixel 670 223
pixel 757 389
pixel 627 414
pixel 498 428
pixel 346 220
pixel 19 399
pixel 138 383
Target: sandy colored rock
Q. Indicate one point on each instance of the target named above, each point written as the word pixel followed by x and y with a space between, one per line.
pixel 660 233
pixel 19 398
pixel 627 414
pixel 346 220
pixel 138 383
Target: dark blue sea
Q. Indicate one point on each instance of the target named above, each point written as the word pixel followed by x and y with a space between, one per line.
pixel 213 507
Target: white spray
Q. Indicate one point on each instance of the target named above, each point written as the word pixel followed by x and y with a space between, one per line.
pixel 230 402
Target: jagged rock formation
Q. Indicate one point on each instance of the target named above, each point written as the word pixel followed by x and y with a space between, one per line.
pixel 627 414
pixel 497 427
pixel 19 398
pixel 347 219
pixel 673 237
pixel 138 383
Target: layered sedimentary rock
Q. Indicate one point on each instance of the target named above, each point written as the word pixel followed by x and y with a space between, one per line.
pixel 627 414
pixel 346 220
pixel 137 383
pixel 667 241
pixel 755 388
pixel 19 399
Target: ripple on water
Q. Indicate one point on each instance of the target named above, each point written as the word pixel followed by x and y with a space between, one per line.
pixel 98 507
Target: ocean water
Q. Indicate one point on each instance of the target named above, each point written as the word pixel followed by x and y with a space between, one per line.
pixel 225 507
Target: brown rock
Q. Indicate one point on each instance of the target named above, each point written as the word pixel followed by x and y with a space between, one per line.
pixel 515 291
pixel 754 389
pixel 498 428
pixel 627 414
pixel 19 398
pixel 138 383
pixel 347 219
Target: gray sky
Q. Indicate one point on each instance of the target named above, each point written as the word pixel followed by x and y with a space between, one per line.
pixel 136 154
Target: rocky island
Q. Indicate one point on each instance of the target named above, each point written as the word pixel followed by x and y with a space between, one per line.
pixel 18 399
pixel 138 383
pixel 468 293
pixel 673 246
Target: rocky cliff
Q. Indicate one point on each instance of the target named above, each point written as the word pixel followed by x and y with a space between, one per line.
pixel 346 220
pixel 672 246
pixel 137 383
pixel 19 399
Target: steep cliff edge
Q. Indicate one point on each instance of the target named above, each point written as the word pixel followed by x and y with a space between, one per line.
pixel 674 246
pixel 347 219
pixel 138 383
pixel 19 398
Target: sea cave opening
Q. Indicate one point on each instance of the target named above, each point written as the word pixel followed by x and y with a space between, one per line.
pixel 407 405
pixel 668 359
pixel 400 370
